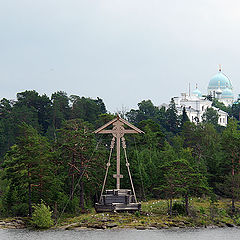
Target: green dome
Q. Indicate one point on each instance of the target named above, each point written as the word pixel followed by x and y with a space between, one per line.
pixel 227 93
pixel 219 80
pixel 197 92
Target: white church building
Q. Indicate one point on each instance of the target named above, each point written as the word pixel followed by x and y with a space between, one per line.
pixel 196 106
pixel 219 87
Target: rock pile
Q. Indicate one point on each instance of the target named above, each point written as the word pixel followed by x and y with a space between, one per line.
pixel 12 224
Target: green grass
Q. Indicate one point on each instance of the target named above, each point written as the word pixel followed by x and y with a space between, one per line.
pixel 154 214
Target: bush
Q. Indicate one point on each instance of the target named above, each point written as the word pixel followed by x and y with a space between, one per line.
pixel 73 205
pixel 137 214
pixel 202 210
pixel 237 220
pixel 178 208
pixel 42 216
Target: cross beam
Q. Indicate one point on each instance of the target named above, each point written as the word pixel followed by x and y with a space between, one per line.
pixel 118 132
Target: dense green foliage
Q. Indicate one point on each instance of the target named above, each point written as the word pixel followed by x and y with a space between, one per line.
pixel 48 152
pixel 42 216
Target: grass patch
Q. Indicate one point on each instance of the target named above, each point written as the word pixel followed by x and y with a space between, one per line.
pixel 203 212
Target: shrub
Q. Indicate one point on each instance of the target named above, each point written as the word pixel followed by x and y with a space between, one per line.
pixel 42 216
pixel 237 220
pixel 137 214
pixel 202 210
pixel 213 210
pixel 178 208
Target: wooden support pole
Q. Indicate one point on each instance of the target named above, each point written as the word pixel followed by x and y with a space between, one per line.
pixel 118 163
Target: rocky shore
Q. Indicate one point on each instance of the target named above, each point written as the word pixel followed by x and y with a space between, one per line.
pixel 203 213
pixel 125 220
pixel 154 226
pixel 13 223
pixel 117 221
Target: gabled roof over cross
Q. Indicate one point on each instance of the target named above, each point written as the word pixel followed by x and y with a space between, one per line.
pixel 114 122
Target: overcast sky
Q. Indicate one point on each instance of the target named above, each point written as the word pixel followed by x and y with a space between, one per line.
pixel 123 51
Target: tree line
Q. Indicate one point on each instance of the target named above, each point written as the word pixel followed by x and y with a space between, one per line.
pixel 49 153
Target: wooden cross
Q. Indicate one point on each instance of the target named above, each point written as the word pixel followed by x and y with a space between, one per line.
pixel 118 132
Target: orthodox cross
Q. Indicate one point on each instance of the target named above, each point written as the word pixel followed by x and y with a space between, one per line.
pixel 118 132
pixel 220 67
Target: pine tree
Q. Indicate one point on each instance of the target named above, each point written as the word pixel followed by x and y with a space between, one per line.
pixel 180 177
pixel 29 169
pixel 172 118
pixel 211 116
pixel 184 117
pixel 231 148
pixel 75 145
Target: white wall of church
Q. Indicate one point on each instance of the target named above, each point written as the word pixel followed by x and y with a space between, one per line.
pixel 196 107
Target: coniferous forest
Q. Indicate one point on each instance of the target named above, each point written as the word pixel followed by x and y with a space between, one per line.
pixel 49 153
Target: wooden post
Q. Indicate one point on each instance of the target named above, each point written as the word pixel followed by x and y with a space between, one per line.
pixel 118 163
